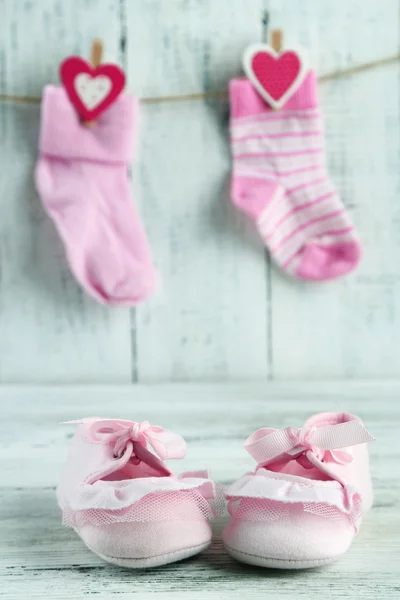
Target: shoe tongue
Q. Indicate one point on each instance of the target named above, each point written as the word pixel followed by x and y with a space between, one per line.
pixel 150 459
pixel 103 464
pixel 332 470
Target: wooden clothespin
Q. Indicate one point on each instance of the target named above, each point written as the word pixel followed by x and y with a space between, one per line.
pixel 276 39
pixel 96 56
pixel 96 53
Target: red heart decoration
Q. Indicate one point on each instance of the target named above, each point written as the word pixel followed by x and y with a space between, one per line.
pixel 275 76
pixel 91 90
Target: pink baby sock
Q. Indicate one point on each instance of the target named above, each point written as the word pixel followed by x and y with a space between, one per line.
pixel 280 181
pixel 82 179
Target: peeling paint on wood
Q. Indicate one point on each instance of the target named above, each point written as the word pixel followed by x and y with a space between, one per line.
pixel 41 559
pixel 223 312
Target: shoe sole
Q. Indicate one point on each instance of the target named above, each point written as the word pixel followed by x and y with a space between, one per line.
pixel 277 563
pixel 153 561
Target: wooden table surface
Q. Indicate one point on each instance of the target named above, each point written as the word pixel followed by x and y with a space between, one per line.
pixel 41 559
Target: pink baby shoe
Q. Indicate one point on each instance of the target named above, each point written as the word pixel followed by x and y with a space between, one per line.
pixel 303 504
pixel 125 503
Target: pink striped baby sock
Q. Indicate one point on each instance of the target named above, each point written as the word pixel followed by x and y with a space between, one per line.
pixel 83 183
pixel 280 181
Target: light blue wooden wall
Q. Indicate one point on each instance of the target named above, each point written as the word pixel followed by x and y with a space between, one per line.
pixel 223 311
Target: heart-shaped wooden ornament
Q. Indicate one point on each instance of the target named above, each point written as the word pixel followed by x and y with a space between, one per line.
pixel 91 90
pixel 275 75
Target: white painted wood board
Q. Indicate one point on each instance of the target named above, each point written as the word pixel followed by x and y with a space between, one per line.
pixel 39 558
pixel 210 317
pixel 49 329
pixel 349 328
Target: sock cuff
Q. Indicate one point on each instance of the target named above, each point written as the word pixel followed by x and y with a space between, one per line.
pixel 62 134
pixel 245 100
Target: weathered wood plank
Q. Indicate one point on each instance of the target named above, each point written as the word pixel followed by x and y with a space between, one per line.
pixel 349 328
pixel 49 330
pixel 37 36
pixel 39 558
pixel 209 320
pixel 188 46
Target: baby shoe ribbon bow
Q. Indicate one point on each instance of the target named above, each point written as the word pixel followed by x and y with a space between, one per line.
pixel 165 444
pixel 326 443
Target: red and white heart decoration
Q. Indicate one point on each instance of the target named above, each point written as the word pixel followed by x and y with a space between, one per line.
pixel 91 89
pixel 275 75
